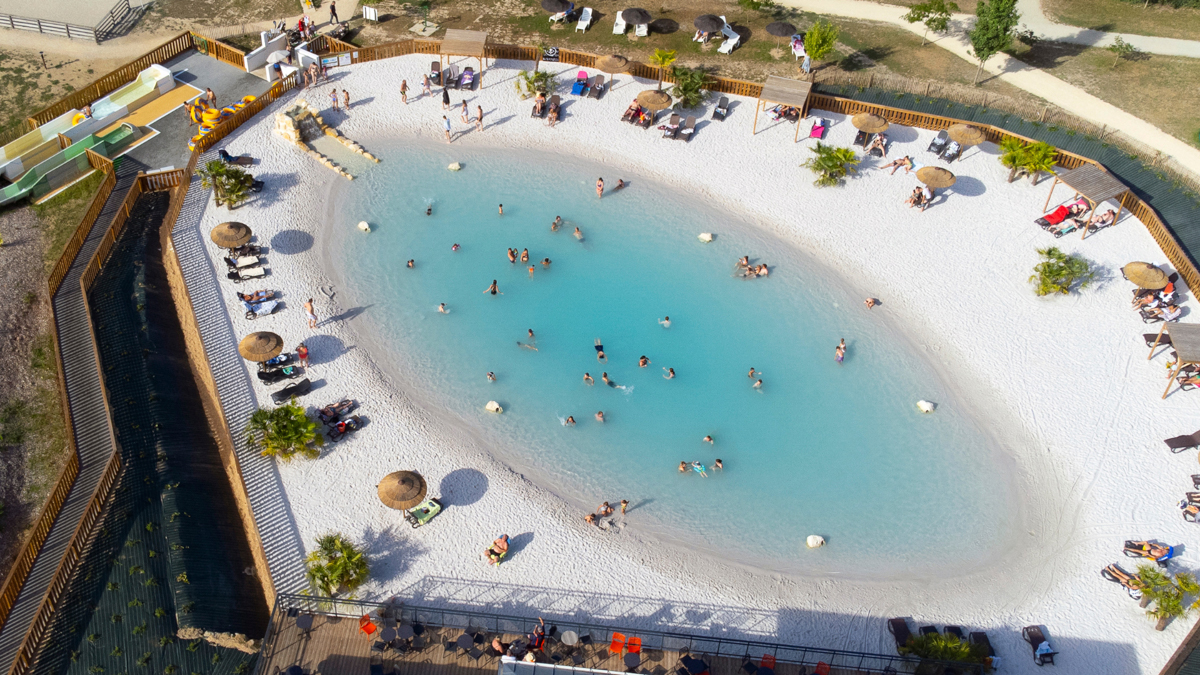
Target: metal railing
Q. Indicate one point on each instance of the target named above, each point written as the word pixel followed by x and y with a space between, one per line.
pixel 699 646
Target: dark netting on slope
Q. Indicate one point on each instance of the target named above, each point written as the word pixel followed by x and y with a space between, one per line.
pixel 1178 207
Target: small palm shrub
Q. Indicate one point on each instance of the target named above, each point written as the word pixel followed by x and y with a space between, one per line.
pixel 1059 272
pixel 529 84
pixel 1169 595
pixel 944 648
pixel 1039 158
pixel 285 432
pixel 689 90
pixel 663 59
pixel 336 562
pixel 831 164
pixel 230 184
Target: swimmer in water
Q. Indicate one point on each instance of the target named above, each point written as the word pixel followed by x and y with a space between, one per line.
pixel 410 264
pixel 620 183
pixel 599 415
pixel 604 378
pixel 429 210
pixel 530 334
pixel 587 379
pixel 556 224
pixel 643 361
pixel 532 344
pixel 709 440
pixel 600 352
pixel 570 421
pixel 744 262
pixel 531 271
pixel 454 247
pixel 493 288
pixel 753 373
pixel 578 234
pixel 599 188
pixel 840 352
pixel 717 464
pixel 665 322
pixel 699 468
pixel 491 376
pixel 442 308
pixel 683 467
pixel 501 206
pixel 758 384
pixel 546 263
pixel 525 256
pixel 670 374
pixel 512 255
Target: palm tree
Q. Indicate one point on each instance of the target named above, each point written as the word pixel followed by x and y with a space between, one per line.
pixel 1039 157
pixel 335 563
pixel 1168 595
pixel 228 183
pixel 689 86
pixel 831 164
pixel 285 432
pixel 1012 155
pixel 663 58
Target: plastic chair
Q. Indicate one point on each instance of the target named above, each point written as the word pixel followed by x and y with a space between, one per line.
pixel 634 646
pixel 618 643
pixel 768 661
pixel 366 625
pixel 822 668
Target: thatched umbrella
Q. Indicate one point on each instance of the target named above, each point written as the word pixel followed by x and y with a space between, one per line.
pixel 965 134
pixel 1145 275
pixel 653 99
pixel 635 15
pixel 261 346
pixel 230 235
pixel 402 490
pixel 612 64
pixel 935 176
pixel 709 23
pixel 869 122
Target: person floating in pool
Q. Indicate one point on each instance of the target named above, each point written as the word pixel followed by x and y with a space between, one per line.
pixel 700 469
pixel 587 379
pixel 840 352
pixel 442 308
pixel 758 384
pixel 600 352
pixel 492 288
pixel 491 376
pixel 643 361
pixel 556 224
pixel 709 440
pixel 532 344
pixel 670 374
pixel 665 322
pixel 599 415
pixel 525 255
pixel 604 378
pixel 455 247
pixel 578 234
pixel 410 264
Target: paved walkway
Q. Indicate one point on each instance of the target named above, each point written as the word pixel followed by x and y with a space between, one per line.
pixel 1019 74
pixel 1039 23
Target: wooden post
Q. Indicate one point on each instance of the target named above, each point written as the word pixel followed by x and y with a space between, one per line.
pixel 1090 220
pixel 1052 186
pixel 796 138
pixel 757 106
pixel 1156 340
pixel 927 83
pixel 1171 379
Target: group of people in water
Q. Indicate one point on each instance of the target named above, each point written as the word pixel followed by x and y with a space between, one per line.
pixel 605 510
pixel 744 269
pixel 698 467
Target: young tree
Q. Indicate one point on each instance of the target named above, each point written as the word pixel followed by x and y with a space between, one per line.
pixel 285 432
pixel 831 164
pixel 1122 50
pixel 820 40
pixel 934 13
pixel 993 31
pixel 663 58
pixel 336 562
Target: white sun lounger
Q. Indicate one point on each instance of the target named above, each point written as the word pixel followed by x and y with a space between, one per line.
pixel 619 25
pixel 585 20
pixel 731 40
pixel 641 30
pixel 797 46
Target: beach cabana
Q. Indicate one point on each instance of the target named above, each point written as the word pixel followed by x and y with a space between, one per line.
pixel 1094 184
pixel 783 91
pixel 463 43
pixel 1185 338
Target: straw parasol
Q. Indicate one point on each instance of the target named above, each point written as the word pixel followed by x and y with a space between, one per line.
pixel 935 176
pixel 709 23
pixel 1145 275
pixel 653 99
pixel 612 64
pixel 402 490
pixel 230 235
pixel 636 16
pixel 869 122
pixel 965 134
pixel 260 346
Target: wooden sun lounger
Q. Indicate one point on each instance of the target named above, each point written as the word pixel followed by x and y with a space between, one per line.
pixel 1034 636
pixel 672 129
pixel 687 131
pixel 1180 443
pixel 899 630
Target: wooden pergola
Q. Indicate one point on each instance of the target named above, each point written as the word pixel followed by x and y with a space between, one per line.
pixel 1094 184
pixel 458 42
pixel 1185 338
pixel 783 91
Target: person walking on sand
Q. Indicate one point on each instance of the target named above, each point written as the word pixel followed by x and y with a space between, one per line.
pixel 840 352
pixel 404 92
pixel 346 101
pixel 426 86
pixel 466 116
pixel 446 127
pixel 445 99
pixel 599 188
pixel 311 314
pixel 333 98
pixel 479 118
pixel 333 17
pixel 302 355
pixel 210 97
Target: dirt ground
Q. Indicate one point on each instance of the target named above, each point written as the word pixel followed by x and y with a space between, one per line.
pixel 32 438
pixel 1149 86
pixel 26 87
pixel 178 15
pixel 1126 17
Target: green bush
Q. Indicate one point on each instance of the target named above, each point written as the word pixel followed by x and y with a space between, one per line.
pixel 944 647
pixel 336 562
pixel 285 432
pixel 831 164
pixel 1059 272
pixel 689 90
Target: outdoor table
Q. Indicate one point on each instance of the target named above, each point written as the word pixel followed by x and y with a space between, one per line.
pixel 404 632
pixel 295 670
pixel 570 638
pixel 693 665
pixel 387 634
pixel 304 622
pixel 465 642
pixel 633 660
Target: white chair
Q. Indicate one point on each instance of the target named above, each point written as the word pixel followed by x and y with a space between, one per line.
pixel 797 46
pixel 731 39
pixel 619 25
pixel 641 30
pixel 585 19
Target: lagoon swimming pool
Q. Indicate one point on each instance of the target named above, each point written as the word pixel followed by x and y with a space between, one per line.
pixel 822 448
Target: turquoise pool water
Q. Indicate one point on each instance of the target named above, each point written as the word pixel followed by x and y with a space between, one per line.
pixel 822 448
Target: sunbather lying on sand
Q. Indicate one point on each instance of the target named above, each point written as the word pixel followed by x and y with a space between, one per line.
pixel 905 162
pixel 256 296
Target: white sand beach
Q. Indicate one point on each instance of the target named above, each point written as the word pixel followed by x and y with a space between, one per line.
pixel 1065 381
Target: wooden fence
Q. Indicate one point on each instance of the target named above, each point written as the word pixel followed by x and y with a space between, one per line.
pixel 59 28
pixel 100 163
pixel 219 50
pixel 278 88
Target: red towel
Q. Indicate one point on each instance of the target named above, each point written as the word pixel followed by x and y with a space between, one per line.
pixel 1057 215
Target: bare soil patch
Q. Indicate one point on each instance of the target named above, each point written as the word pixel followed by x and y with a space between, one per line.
pixel 26 87
pixel 1126 17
